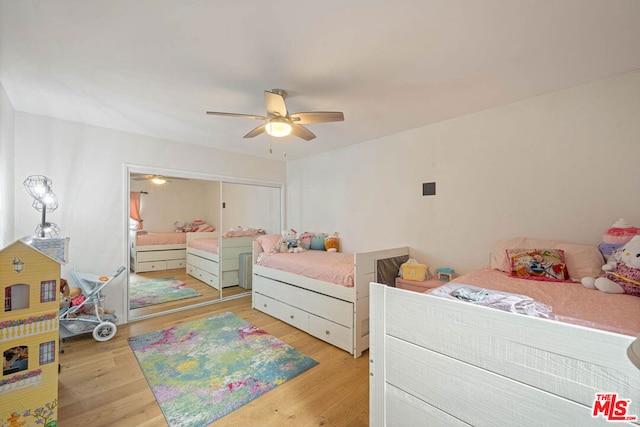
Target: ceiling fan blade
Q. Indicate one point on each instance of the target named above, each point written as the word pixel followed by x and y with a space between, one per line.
pixel 243 116
pixel 317 117
pixel 301 132
pixel 257 131
pixel 275 104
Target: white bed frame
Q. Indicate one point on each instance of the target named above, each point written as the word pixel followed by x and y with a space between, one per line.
pixel 336 314
pixel 156 257
pixel 217 270
pixel 435 361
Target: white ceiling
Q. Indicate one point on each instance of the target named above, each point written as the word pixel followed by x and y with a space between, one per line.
pixel 153 67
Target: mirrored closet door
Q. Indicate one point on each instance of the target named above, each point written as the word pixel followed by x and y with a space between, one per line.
pixel 248 210
pixel 190 238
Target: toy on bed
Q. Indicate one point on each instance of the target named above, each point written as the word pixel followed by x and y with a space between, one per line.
pixel 622 271
pixel 332 243
pixel 289 242
pixel 196 225
pixel 616 236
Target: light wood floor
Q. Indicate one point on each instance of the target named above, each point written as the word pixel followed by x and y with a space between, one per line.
pixel 207 293
pixel 101 383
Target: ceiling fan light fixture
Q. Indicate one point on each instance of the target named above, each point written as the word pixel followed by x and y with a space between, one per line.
pixel 278 127
pixel 158 180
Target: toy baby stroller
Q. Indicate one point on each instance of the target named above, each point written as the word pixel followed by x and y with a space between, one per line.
pixel 103 325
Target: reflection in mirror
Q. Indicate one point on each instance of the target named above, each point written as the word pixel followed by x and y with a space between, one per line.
pixel 162 216
pixel 190 240
pixel 248 210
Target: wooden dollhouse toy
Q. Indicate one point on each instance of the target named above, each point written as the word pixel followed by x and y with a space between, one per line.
pixel 30 283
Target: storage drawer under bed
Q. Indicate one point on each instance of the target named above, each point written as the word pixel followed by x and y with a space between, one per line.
pixel 203 263
pixel 324 329
pixel 151 266
pixel 291 315
pixel 161 255
pixel 321 305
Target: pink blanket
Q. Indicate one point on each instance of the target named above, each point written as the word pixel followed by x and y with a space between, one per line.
pixel 332 267
pixel 160 238
pixel 207 244
pixel 570 302
pixel 240 233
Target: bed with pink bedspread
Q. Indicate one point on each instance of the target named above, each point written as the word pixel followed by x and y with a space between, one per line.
pixel 570 302
pixel 448 357
pixel 325 294
pixel 157 250
pixel 332 267
pixel 160 239
pixel 215 260
pixel 207 244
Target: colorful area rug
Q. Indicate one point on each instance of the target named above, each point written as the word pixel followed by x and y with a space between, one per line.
pixel 158 291
pixel 202 370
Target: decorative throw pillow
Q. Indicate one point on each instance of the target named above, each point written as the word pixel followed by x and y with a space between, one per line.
pixel 538 264
pixel 269 242
pixel 305 239
pixel 582 260
pixel 317 241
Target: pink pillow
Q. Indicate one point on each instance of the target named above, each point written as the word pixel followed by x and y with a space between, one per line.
pixel 206 227
pixel 269 242
pixel 582 260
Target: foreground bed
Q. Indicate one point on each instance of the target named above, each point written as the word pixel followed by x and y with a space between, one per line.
pixel 438 361
pixel 216 261
pixel 333 313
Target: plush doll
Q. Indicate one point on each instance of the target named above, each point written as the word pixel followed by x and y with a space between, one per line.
pixel 305 239
pixel 622 271
pixel 332 243
pixel 281 246
pixel 77 298
pixel 293 244
pixel 617 236
pixel 65 302
pixel 65 299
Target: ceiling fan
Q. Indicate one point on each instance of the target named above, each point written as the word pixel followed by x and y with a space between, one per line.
pixel 279 122
pixel 156 179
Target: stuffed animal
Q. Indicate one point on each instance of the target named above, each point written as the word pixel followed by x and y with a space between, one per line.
pixel 77 298
pixel 332 243
pixel 293 244
pixel 617 236
pixel 65 302
pixel 65 299
pixel 622 271
pixel 281 246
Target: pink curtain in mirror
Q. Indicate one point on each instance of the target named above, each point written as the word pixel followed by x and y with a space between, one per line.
pixel 134 208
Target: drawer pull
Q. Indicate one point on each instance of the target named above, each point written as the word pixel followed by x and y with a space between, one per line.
pixel 327 332
pixel 292 316
pixel 264 305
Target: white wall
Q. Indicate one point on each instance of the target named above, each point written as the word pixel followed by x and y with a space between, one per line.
pixel 562 165
pixel 251 206
pixel 7 181
pixel 86 164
